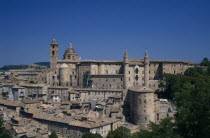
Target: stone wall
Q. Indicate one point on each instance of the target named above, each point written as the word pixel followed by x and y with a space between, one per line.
pixel 107 81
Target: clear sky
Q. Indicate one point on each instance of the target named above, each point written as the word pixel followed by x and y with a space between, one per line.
pixel 104 29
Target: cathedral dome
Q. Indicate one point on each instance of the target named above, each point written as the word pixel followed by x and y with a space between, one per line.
pixel 70 54
pixel 70 50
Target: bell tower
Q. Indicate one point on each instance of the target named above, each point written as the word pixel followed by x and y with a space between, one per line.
pixel 53 54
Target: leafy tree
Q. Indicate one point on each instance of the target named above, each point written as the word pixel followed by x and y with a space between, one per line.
pixel 91 135
pixel 120 132
pixel 205 62
pixel 142 134
pixel 4 94
pixel 53 135
pixel 166 129
pixel 208 70
pixel 4 133
pixel 195 72
pixel 193 110
pixel 191 95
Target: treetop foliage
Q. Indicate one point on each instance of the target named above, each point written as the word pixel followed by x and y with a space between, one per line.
pixel 120 132
pixel 205 62
pixel 191 95
pixel 4 133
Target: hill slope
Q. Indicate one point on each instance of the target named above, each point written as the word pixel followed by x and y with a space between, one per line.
pixel 37 65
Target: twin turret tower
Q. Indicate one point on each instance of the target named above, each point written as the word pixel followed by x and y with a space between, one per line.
pixel 146 70
pixel 126 70
pixel 126 66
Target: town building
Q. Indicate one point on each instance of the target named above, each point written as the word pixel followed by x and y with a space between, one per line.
pixel 76 96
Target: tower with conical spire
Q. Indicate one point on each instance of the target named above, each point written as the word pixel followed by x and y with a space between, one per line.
pixel 53 54
pixel 126 66
pixel 146 70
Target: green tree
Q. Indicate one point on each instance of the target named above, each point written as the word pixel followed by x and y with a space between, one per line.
pixel 191 95
pixel 4 133
pixel 205 62
pixel 195 72
pixel 53 135
pixel 165 129
pixel 120 132
pixel 142 134
pixel 4 94
pixel 193 110
pixel 208 70
pixel 91 135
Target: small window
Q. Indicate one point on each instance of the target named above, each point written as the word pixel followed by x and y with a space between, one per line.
pixel 136 70
pixel 136 77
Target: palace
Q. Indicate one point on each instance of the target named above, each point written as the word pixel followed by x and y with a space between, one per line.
pixel 134 80
pixel 77 96
pixel 109 74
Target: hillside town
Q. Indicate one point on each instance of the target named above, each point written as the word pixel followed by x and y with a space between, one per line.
pixel 76 96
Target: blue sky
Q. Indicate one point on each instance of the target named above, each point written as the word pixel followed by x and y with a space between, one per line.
pixel 104 29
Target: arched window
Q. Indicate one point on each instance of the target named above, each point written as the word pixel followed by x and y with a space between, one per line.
pixel 136 70
pixel 53 53
pixel 136 77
